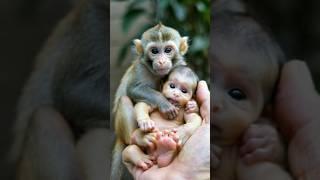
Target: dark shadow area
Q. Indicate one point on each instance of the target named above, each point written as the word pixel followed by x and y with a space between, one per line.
pixel 295 25
pixel 25 26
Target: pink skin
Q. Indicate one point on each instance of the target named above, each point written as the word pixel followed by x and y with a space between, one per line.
pixel 192 107
pixel 167 145
pixel 161 146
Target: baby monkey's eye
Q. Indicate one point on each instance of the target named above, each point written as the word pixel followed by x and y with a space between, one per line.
pixel 154 50
pixel 167 49
pixel 172 85
pixel 237 94
pixel 184 90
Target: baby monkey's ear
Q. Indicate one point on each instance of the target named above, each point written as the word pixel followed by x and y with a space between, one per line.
pixel 184 45
pixel 138 46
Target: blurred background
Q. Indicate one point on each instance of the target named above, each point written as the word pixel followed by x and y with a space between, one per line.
pixel 129 19
pixel 295 24
pixel 24 28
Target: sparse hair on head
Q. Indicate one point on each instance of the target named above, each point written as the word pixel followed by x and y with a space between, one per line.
pixel 251 36
pixel 231 19
pixel 188 73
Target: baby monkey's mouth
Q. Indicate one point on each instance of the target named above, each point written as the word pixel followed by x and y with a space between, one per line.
pixel 174 102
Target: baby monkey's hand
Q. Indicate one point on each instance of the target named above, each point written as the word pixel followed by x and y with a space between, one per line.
pixel 262 142
pixel 192 107
pixel 146 125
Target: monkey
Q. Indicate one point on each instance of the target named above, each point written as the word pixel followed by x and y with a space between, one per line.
pixel 160 49
pixel 179 87
pixel 246 65
pixel 63 109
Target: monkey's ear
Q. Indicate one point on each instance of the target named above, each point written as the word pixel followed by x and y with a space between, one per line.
pixel 138 45
pixel 184 45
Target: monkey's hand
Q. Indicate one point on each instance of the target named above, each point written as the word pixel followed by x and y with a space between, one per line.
pixel 216 156
pixel 192 107
pixel 262 142
pixel 169 110
pixel 146 125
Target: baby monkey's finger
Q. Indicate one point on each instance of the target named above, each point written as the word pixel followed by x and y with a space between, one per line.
pixel 252 144
pixel 256 156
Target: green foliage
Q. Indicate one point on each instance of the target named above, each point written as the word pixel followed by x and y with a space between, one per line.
pixel 190 17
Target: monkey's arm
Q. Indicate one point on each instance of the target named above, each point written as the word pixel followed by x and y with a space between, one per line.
pixel 145 93
pixel 193 121
pixel 142 111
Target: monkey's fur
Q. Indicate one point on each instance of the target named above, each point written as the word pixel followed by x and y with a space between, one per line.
pixel 141 82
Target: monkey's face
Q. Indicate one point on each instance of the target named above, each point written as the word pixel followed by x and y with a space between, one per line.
pixel 160 56
pixel 178 89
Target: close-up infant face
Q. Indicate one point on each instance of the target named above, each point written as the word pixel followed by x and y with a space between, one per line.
pixel 242 79
pixel 178 89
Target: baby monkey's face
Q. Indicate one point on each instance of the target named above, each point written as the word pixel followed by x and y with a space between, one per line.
pixel 240 82
pixel 178 89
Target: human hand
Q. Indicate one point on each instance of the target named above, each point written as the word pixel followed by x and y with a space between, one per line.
pixel 203 98
pixel 296 109
pixel 296 102
pixel 262 142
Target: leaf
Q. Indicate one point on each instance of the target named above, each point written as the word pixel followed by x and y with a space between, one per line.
pixel 179 10
pixel 131 16
pixel 199 43
pixel 163 4
pixel 122 54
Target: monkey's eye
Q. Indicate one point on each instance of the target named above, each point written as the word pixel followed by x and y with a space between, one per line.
pixel 172 85
pixel 237 94
pixel 184 90
pixel 154 50
pixel 168 49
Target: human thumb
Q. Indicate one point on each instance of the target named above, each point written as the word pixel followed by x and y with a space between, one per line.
pixel 296 99
pixel 203 97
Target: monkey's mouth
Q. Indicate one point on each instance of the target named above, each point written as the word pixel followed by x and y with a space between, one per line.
pixel 162 71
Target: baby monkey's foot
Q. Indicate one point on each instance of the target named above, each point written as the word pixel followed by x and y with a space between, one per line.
pixel 167 145
pixel 145 140
pixel 138 158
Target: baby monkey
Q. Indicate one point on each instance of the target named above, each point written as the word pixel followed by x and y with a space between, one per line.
pixel 157 134
pixel 246 66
